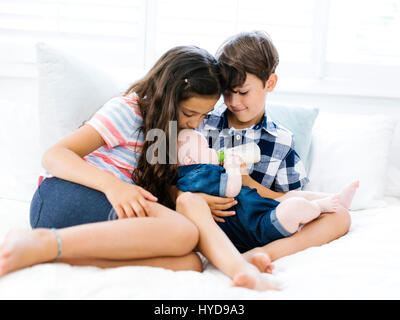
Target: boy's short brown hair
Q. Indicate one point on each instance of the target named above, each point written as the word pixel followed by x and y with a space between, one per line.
pixel 247 52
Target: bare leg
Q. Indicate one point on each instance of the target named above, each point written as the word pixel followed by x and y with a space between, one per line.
pixel 345 195
pixel 126 239
pixel 189 262
pixel 326 228
pixel 217 247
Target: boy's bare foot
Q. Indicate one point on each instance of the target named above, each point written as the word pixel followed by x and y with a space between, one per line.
pixel 24 248
pixel 259 259
pixel 254 280
pixel 347 194
pixel 328 204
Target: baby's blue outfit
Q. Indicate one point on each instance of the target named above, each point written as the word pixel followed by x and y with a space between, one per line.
pixel 254 224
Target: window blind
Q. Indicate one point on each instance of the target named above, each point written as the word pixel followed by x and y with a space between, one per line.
pixel 320 42
pixel 111 32
pixel 208 23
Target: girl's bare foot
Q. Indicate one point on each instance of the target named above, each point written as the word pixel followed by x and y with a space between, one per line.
pixel 347 194
pixel 24 248
pixel 261 260
pixel 251 278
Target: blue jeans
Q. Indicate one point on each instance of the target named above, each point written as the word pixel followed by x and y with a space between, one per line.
pixel 254 224
pixel 59 203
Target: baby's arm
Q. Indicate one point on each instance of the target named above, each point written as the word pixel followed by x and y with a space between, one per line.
pixel 234 181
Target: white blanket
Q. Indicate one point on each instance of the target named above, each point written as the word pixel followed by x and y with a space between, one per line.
pixel 364 264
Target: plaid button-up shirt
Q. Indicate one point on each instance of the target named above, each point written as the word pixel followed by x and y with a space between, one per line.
pixel 280 168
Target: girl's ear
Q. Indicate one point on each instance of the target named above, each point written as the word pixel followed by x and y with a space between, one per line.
pixel 271 82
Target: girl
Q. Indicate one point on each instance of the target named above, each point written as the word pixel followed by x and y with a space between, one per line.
pixel 106 171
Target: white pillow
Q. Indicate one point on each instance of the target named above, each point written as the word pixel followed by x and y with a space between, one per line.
pixel 70 92
pixel 351 147
pixel 20 159
pixel 393 174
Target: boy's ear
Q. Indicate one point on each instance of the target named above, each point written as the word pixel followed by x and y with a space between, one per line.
pixel 271 82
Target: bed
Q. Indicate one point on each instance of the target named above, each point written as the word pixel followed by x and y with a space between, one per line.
pixel 363 264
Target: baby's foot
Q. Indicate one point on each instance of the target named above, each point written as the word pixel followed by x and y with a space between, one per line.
pixel 254 280
pixel 24 248
pixel 328 204
pixel 261 260
pixel 347 194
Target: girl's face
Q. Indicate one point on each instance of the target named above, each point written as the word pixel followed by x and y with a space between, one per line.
pixel 247 103
pixel 193 110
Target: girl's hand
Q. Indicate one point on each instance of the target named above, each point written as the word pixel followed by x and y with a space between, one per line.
pixel 129 200
pixel 218 205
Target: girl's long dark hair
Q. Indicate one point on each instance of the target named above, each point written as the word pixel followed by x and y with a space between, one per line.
pixel 181 73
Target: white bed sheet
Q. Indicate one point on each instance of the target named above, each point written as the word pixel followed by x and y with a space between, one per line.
pixel 364 264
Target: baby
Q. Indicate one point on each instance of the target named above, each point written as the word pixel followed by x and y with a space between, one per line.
pixel 258 220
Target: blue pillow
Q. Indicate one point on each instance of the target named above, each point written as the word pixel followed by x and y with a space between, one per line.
pixel 298 120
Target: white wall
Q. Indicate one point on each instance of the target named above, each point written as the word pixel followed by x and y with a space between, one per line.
pixel 341 103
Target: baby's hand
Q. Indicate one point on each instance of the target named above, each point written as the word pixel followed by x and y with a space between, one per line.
pixel 243 169
pixel 232 161
pixel 235 161
pixel 129 200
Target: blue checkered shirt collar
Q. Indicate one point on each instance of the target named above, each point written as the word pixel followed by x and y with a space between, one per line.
pixel 219 121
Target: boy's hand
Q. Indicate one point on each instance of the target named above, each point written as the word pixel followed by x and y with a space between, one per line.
pixel 129 200
pixel 218 205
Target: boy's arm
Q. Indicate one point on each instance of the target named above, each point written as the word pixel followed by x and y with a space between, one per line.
pixel 261 190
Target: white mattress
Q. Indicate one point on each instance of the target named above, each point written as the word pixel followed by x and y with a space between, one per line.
pixel 364 264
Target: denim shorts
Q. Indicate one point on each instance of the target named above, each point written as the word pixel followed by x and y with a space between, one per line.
pixel 59 203
pixel 254 224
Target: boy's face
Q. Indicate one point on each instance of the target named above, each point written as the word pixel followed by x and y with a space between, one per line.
pixel 247 103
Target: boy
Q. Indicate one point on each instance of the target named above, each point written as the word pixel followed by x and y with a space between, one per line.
pixel 248 62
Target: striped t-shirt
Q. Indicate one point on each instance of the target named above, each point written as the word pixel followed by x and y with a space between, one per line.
pixel 119 123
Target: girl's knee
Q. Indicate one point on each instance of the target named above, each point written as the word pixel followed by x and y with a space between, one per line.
pixel 189 204
pixel 187 198
pixel 35 210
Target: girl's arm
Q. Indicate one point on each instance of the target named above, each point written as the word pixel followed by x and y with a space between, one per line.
pixel 65 160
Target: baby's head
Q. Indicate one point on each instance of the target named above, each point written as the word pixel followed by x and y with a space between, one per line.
pixel 193 149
